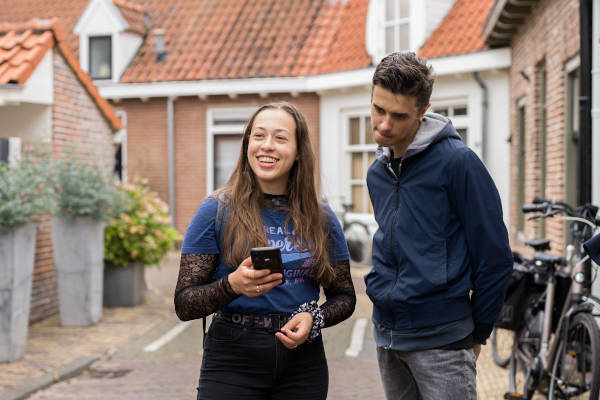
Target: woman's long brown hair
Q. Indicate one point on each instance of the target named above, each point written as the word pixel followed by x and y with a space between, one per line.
pixel 243 195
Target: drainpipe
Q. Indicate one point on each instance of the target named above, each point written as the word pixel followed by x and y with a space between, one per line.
pixel 171 155
pixel 585 103
pixel 484 114
pixel 596 111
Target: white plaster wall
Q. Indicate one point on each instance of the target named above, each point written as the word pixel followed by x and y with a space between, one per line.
pixel 435 11
pixel 126 47
pixel 30 122
pixel 39 88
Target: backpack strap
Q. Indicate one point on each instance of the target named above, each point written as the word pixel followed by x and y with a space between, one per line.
pixel 220 225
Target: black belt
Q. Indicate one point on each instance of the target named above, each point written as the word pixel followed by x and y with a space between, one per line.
pixel 271 322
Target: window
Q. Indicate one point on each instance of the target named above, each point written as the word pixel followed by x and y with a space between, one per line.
pixel 100 54
pixel 225 130
pixel 4 150
pixel 396 25
pixel 360 155
pixel 459 115
pixel 521 165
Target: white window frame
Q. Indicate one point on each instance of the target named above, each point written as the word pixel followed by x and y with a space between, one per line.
pixel 396 23
pixel 348 149
pixel 212 130
pixel 460 121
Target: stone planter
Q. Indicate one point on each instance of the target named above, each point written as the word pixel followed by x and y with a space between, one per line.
pixel 124 286
pixel 17 251
pixel 78 245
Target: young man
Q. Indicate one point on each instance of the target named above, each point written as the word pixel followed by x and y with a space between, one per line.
pixel 441 256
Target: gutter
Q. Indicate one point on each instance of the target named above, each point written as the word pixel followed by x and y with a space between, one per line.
pixel 484 114
pixel 585 101
pixel 171 155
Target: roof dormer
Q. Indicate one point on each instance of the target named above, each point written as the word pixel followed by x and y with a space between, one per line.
pixel 110 34
pixel 401 25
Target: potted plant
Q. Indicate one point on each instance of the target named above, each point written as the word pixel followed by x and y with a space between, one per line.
pixel 24 198
pixel 140 235
pixel 86 197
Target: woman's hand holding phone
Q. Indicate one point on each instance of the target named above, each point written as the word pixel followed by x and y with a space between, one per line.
pixel 252 282
pixel 296 330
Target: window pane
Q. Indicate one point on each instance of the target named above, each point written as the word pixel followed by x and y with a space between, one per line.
pixel 227 150
pixel 368 131
pixel 371 157
pixel 357 198
pixel 441 111
pixel 100 58
pixel 390 13
pixel 458 111
pixel 357 168
pixel 389 39
pixel 354 125
pixel 403 4
pixel 463 134
pixel 403 37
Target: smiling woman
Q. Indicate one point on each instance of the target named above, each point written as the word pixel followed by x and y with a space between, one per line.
pixel 270 199
pixel 272 149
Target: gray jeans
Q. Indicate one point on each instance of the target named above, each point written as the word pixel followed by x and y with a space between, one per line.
pixel 428 374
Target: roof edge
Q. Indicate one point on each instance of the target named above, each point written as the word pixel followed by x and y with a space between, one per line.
pixel 504 20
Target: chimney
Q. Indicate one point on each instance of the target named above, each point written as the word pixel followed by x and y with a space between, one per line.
pixel 161 52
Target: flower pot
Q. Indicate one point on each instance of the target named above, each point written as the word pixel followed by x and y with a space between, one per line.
pixel 78 245
pixel 124 286
pixel 17 250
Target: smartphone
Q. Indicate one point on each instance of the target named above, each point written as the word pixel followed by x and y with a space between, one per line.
pixel 267 258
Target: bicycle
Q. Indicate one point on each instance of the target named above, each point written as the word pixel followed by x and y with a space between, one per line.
pixel 357 236
pixel 557 349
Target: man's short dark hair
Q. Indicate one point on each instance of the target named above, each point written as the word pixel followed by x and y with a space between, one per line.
pixel 404 73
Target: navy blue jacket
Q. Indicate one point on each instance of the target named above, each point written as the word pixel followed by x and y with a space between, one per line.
pixel 440 235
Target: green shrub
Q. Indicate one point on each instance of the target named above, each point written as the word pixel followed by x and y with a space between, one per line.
pixel 85 190
pixel 25 195
pixel 143 232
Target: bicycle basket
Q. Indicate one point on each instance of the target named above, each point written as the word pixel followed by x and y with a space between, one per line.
pixel 520 284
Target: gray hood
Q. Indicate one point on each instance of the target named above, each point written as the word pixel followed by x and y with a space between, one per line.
pixel 434 128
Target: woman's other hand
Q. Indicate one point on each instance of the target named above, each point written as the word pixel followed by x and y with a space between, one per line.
pixel 296 330
pixel 252 282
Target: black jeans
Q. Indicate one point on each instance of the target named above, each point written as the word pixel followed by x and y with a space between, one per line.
pixel 248 363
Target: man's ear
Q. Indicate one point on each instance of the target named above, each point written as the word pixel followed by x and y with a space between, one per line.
pixel 424 110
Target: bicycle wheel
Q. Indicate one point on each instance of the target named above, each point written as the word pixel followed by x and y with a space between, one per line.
pixel 502 340
pixel 576 368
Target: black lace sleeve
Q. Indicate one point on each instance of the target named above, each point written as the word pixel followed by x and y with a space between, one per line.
pixel 340 295
pixel 197 294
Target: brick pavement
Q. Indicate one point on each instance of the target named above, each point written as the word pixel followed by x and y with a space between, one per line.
pixel 50 347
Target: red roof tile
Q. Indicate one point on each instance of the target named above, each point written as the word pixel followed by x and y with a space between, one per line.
pixel 460 31
pixel 224 39
pixel 134 14
pixel 24 45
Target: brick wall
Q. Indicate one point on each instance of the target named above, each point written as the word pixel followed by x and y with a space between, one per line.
pixel 548 38
pixel 147 143
pixel 77 124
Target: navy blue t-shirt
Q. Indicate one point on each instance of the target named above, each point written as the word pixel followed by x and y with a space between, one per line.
pixel 298 265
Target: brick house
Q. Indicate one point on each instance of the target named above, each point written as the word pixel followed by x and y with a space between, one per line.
pixel 551 139
pixel 45 97
pixel 185 75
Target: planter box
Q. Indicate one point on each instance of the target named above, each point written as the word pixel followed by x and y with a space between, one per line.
pixel 78 245
pixel 124 286
pixel 17 251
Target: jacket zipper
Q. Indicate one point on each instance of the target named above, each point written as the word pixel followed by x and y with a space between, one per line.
pixel 387 296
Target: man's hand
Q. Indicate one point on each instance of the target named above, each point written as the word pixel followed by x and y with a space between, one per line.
pixel 476 350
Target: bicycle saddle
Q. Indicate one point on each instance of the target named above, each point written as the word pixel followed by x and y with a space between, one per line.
pixel 539 245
